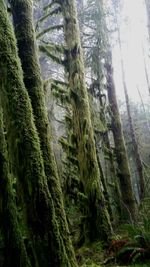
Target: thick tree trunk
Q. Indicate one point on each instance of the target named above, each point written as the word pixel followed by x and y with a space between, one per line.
pixel 14 249
pixel 128 203
pixel 97 216
pixel 25 147
pixel 22 17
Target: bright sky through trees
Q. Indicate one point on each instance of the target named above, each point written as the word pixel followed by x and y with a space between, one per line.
pixel 134 36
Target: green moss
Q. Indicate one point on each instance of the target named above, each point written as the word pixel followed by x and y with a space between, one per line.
pixel 128 203
pixel 90 254
pixel 12 240
pixel 98 223
pixel 22 16
pixel 39 208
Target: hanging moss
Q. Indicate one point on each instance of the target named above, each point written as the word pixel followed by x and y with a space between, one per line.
pixel 51 54
pixel 55 11
pixel 39 209
pixel 97 219
pixel 51 28
pixel 22 16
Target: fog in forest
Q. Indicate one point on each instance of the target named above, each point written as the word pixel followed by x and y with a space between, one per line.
pixel 74 133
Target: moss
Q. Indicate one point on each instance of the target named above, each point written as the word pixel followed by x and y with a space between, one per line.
pixel 51 28
pixel 22 16
pixel 98 223
pixel 51 54
pixel 12 243
pixel 55 11
pixel 128 204
pixel 90 255
pixel 38 204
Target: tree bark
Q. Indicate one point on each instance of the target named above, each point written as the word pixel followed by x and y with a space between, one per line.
pixel 98 222
pixel 24 30
pixel 24 143
pixel 128 203
pixel 14 249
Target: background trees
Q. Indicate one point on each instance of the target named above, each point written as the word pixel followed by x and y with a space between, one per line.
pixel 93 169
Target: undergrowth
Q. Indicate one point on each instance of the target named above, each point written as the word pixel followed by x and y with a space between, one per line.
pixel 132 245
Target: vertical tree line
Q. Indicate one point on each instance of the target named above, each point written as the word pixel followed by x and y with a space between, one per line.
pixel 36 228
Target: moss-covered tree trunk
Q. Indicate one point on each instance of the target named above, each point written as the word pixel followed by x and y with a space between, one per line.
pixel 24 30
pixel 128 203
pixel 97 218
pixel 101 40
pixel 23 140
pixel 11 239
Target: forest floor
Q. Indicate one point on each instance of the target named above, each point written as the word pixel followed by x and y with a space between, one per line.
pixel 94 256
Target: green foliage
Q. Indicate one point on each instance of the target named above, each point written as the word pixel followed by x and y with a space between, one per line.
pixel 137 246
pixel 90 265
pixel 90 255
pixel 61 94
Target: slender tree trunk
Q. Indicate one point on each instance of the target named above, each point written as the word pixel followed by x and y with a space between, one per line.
pixel 25 147
pixel 135 146
pixel 97 216
pixel 114 177
pixel 14 249
pixel 102 41
pixel 143 106
pixel 132 132
pixel 22 17
pixel 128 203
pixel 146 72
pixel 147 3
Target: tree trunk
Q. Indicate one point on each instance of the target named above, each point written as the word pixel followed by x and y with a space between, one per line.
pixel 13 249
pixel 102 41
pixel 128 203
pixel 147 3
pixel 22 17
pixel 24 143
pixel 146 72
pixel 136 152
pixel 98 222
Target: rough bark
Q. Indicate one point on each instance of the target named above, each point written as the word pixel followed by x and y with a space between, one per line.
pixel 23 140
pixel 128 203
pixel 24 30
pixel 97 216
pixel 13 249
